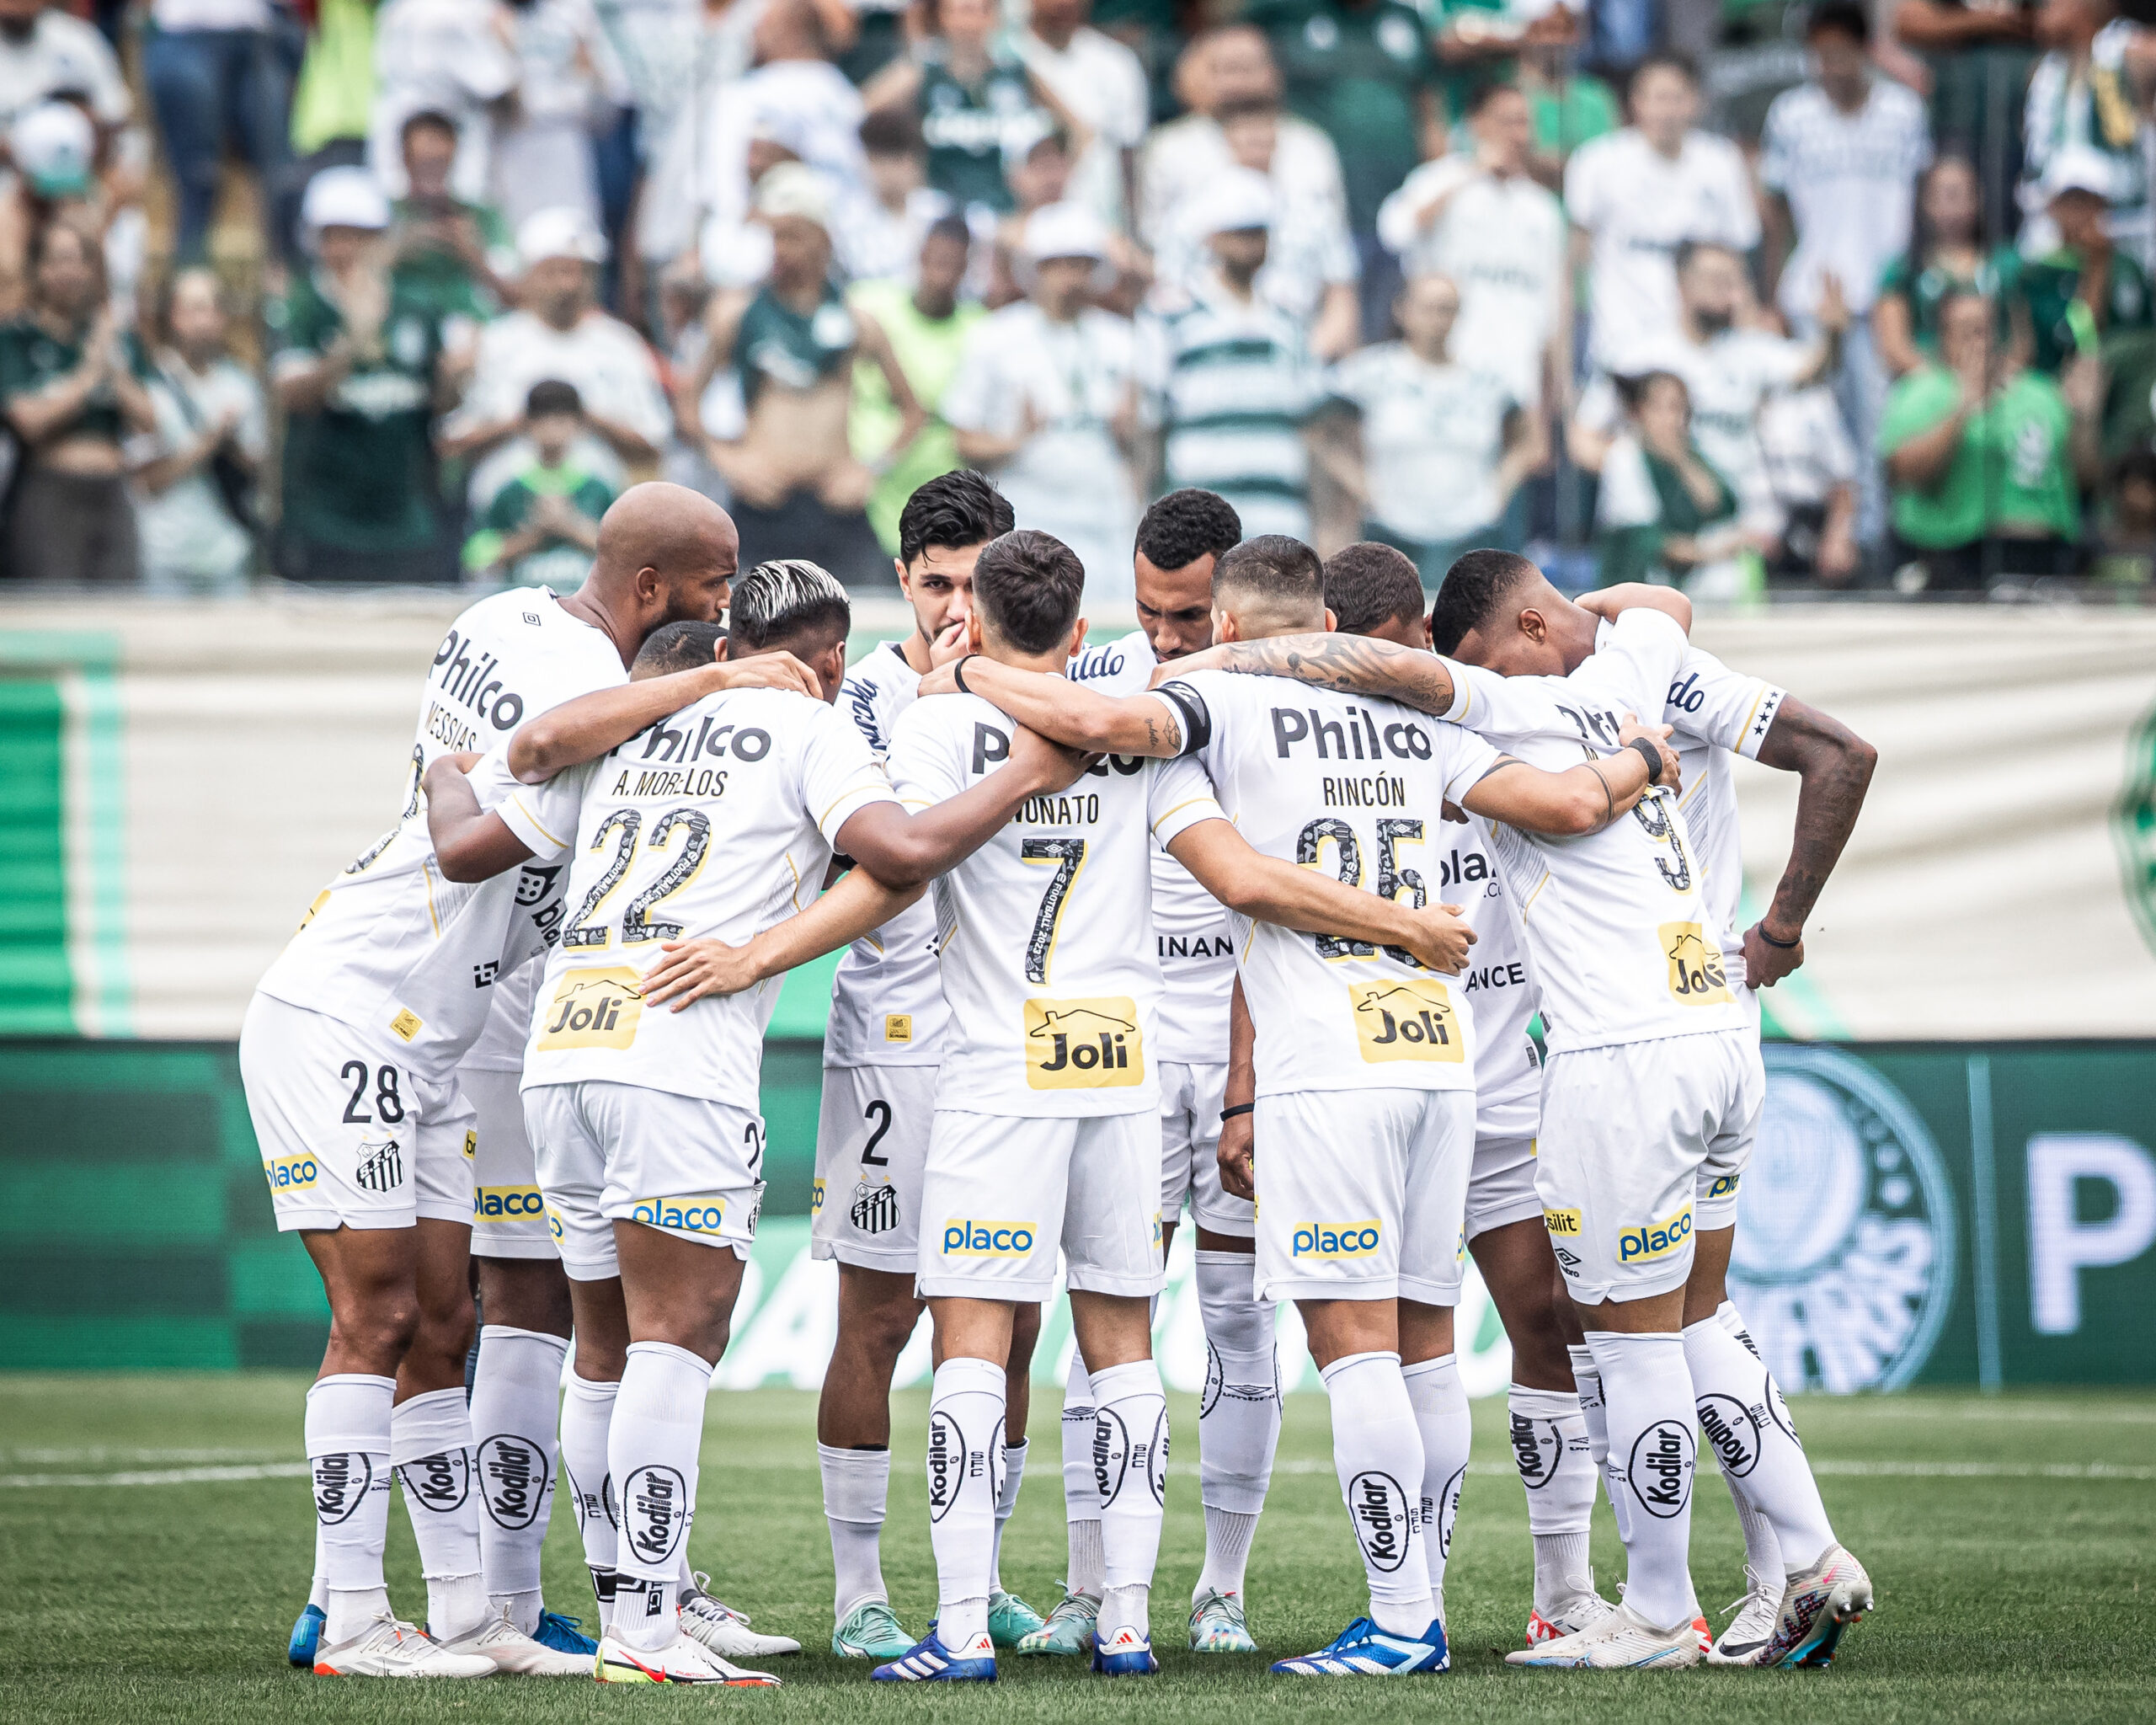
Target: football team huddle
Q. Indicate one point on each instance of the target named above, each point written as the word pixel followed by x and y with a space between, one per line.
pixel 1262 899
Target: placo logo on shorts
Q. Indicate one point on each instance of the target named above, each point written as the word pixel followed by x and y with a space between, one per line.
pixel 291 1173
pixel 970 1239
pixel 1695 973
pixel 816 1198
pixel 1656 1239
pixel 1092 1044
pixel 1565 1222
pixel 507 1204
pixel 1405 1020
pixel 554 1223
pixel 897 1027
pixel 1724 1186
pixel 592 1009
pixel 1335 1240
pixel 695 1214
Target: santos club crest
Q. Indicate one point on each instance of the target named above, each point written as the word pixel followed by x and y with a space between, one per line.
pixel 1843 1264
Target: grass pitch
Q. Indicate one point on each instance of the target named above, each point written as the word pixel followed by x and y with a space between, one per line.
pixel 2010 1540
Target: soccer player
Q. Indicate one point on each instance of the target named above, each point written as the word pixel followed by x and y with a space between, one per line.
pixel 1180 539
pixel 706 818
pixel 888 1032
pixel 1365 1170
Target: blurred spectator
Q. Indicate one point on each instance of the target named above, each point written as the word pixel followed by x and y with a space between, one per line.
pixel 1480 220
pixel 70 384
pixel 1444 442
pixel 1812 469
pixel 196 497
pixel 2082 105
pixel 2087 288
pixel 1311 269
pixel 68 166
pixel 1946 254
pixel 216 76
pixel 45 52
pixel 569 86
pixel 1984 460
pixel 1639 194
pixel 53 148
pixel 333 108
pixel 796 490
pixel 556 333
pixel 2125 553
pixel 1569 108
pixel 1232 378
pixel 1101 82
pixel 972 95
pixel 1979 54
pixel 928 324
pixel 1046 400
pixel 461 252
pixel 359 362
pixel 1663 513
pixel 1840 161
pixel 454 57
pixel 542 526
pixel 886 242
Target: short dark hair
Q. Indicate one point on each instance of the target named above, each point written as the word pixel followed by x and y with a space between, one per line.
pixel 1027 584
pixel 1664 59
pixel 679 646
pixel 1369 584
pixel 1473 589
pixel 952 227
pixel 955 508
pixel 891 132
pixel 426 119
pixel 552 396
pixel 1279 571
pixel 788 597
pixel 1187 524
pixel 1483 95
pixel 1632 392
pixel 1839 17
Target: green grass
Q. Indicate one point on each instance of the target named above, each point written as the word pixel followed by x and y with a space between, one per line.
pixel 2001 1598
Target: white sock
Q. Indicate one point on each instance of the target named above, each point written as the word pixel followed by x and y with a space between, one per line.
pixel 965 1447
pixel 1238 1420
pixel 1130 1467
pixel 348 1456
pixel 1652 1447
pixel 1007 1501
pixel 1448 1432
pixel 651 1452
pixel 1744 1423
pixel 1081 1498
pixel 856 1490
pixel 430 1448
pixel 1377 1451
pixel 1594 1414
pixel 587 1415
pixel 318 1593
pixel 516 1409
pixel 1762 1553
pixel 1557 1467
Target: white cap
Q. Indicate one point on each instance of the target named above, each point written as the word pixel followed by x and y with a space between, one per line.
pixel 1230 202
pixel 2078 169
pixel 795 189
pixel 54 146
pixel 344 197
pixel 1065 231
pixel 559 232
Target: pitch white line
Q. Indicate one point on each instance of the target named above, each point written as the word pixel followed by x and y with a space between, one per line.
pixel 156 1477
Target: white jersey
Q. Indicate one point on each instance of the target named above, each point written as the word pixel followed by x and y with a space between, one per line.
pixel 1626 944
pixel 887 1009
pixel 1499 981
pixel 1197 947
pixel 1355 788
pixel 715 823
pixel 508 658
pixel 1045 933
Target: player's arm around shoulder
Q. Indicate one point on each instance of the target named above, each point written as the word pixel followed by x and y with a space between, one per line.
pixel 1348 665
pixel 1580 799
pixel 1611 602
pixel 588 727
pixel 1074 714
pixel 470 843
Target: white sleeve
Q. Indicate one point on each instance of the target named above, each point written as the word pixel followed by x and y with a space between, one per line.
pixel 642 404
pixel 1463 758
pixel 1598 409
pixel 1741 230
pixel 544 817
pixel 1721 707
pixel 840 773
pixel 1777 361
pixel 924 760
pixel 1640 656
pixel 1397 228
pixel 1582 195
pixel 1774 145
pixel 1179 796
pixel 1492 706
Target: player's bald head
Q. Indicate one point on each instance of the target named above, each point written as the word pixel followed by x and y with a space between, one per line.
pixel 1495 608
pixel 665 554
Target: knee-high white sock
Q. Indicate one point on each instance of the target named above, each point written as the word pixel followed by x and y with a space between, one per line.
pixel 1007 1501
pixel 1130 1467
pixel 1762 1553
pixel 651 1454
pixel 348 1456
pixel 587 1417
pixel 857 1488
pixel 1652 1447
pixel 1238 1419
pixel 1447 1431
pixel 1377 1451
pixel 318 1592
pixel 1081 1496
pixel 430 1448
pixel 1557 1467
pixel 1748 1429
pixel 965 1451
pixel 1594 1414
pixel 517 1408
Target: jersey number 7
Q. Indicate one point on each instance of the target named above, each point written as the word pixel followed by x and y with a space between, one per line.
pixel 1069 855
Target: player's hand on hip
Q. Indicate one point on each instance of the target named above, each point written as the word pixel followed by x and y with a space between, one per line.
pixel 693 968
pixel 1238 1174
pixel 769 670
pixel 1050 765
pixel 1439 937
pixel 1658 734
pixel 1766 963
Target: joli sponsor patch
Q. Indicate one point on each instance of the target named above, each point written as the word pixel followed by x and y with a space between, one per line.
pixel 1695 974
pixel 1084 1044
pixel 592 1009
pixel 1405 1020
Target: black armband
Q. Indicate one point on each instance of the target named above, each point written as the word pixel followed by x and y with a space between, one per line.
pixel 1240 1108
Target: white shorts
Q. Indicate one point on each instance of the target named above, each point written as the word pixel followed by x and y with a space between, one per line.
pixel 1627 1133
pixel 1500 1184
pixel 1002 1192
pixel 609 1153
pixel 871 1138
pixel 351 1136
pixel 509 1217
pixel 1190 1142
pixel 1360 1193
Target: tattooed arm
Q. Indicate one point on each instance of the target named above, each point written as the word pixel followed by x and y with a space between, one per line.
pixel 1351 664
pixel 1067 712
pixel 1834 765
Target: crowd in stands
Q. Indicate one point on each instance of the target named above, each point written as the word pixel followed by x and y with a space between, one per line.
pixel 1743 295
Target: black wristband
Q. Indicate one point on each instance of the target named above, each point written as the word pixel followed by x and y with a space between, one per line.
pixel 1652 755
pixel 959 673
pixel 1240 1108
pixel 1760 928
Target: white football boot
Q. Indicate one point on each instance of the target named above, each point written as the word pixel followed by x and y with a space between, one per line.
pixel 516 1654
pixel 682 1660
pixel 388 1649
pixel 1747 1633
pixel 1621 1641
pixel 724 1631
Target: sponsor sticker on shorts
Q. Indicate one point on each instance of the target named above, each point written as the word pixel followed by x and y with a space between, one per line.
pixel 965 1238
pixel 1656 1241
pixel 592 1009
pixel 1085 1044
pixel 292 1173
pixel 897 1027
pixel 471 1146
pixel 1564 1222
pixel 1335 1240
pixel 1724 1186
pixel 816 1198
pixel 1405 1020
pixel 694 1215
pixel 1696 978
pixel 507 1204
